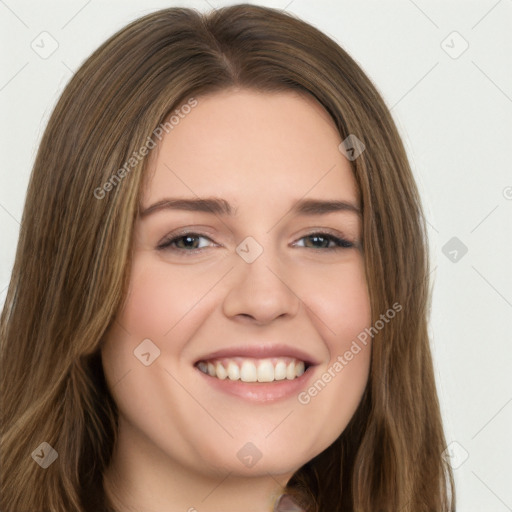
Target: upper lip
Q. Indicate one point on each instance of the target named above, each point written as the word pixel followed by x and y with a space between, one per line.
pixel 261 351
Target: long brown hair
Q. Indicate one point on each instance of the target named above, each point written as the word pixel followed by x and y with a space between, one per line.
pixel 73 259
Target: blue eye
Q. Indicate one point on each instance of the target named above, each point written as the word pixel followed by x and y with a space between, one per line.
pixel 188 242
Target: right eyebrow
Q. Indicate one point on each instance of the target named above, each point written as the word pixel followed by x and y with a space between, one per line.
pixel 213 205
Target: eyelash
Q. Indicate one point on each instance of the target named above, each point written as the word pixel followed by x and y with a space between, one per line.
pixel 341 243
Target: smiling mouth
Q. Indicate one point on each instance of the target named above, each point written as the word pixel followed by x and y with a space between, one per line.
pixel 246 369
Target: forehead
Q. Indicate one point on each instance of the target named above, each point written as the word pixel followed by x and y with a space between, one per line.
pixel 253 146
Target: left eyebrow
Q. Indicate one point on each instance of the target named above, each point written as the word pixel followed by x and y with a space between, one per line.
pixel 321 207
pixel 219 206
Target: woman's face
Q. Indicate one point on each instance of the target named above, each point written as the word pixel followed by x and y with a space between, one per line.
pixel 259 292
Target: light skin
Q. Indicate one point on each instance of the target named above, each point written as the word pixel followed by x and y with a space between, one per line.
pixel 179 436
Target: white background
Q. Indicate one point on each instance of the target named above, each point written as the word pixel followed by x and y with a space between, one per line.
pixel 454 115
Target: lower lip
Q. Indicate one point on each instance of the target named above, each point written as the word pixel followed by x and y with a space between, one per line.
pixel 260 391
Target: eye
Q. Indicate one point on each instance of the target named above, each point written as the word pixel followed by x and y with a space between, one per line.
pixel 326 241
pixel 186 242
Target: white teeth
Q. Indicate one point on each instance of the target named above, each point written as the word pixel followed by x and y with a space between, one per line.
pixel 290 371
pixel 233 371
pixel 221 371
pixel 248 372
pixel 280 371
pixel 253 370
pixel 265 371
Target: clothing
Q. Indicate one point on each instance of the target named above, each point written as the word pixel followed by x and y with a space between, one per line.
pixel 286 504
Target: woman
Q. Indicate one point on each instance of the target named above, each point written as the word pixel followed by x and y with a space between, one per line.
pixel 282 363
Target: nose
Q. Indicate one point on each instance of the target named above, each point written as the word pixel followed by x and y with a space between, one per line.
pixel 261 291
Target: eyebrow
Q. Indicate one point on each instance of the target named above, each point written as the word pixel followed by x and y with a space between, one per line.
pixel 219 206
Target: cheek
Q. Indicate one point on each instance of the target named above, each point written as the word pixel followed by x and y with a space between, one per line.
pixel 152 307
pixel 161 296
pixel 165 305
pixel 341 302
pixel 152 304
pixel 341 306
